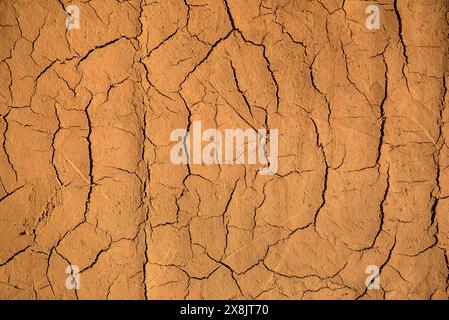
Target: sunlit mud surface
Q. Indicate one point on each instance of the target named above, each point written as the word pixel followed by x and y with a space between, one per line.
pixel 87 185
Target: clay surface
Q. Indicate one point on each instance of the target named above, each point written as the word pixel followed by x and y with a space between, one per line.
pixel 86 178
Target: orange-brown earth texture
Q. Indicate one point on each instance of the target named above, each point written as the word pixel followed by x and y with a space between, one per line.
pixel 93 207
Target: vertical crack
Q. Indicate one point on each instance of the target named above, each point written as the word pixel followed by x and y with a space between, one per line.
pixel 401 39
pixel 53 146
pixel 4 144
pixel 242 93
pixel 89 148
pixel 147 172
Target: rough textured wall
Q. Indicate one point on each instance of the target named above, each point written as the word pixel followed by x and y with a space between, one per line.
pixel 86 177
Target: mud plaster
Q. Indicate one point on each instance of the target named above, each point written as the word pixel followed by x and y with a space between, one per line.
pixel 86 178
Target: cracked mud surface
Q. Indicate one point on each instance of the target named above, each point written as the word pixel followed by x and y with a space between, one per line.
pixel 85 171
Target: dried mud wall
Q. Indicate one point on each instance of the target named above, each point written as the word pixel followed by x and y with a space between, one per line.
pixel 86 178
